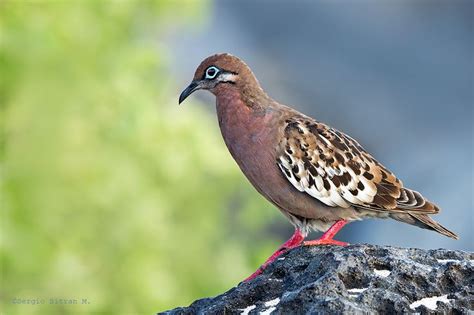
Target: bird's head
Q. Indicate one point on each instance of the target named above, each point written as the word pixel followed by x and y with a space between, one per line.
pixel 219 72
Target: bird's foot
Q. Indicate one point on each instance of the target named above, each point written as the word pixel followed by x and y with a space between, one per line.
pixel 293 242
pixel 327 237
pixel 325 241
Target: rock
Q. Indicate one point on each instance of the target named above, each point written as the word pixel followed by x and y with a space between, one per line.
pixel 353 279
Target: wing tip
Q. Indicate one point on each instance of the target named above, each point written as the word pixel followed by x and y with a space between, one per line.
pixel 435 226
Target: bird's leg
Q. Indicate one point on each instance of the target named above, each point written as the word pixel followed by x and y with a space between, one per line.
pixel 295 240
pixel 327 237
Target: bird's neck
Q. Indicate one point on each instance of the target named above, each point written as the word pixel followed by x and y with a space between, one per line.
pixel 244 103
pixel 238 115
pixel 246 130
pixel 232 108
pixel 249 92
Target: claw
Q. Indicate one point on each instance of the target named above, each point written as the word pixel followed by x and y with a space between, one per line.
pixel 297 239
pixel 293 242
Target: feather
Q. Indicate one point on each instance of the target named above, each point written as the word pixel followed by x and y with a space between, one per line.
pixel 333 168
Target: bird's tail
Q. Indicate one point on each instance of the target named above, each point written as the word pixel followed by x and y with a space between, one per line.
pixel 424 221
pixel 433 225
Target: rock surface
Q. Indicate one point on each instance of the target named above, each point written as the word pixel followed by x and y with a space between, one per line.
pixel 353 279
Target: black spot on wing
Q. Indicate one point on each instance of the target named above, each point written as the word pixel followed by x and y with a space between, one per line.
pixel 336 181
pixel 287 172
pixel 355 167
pixel 327 186
pixel 310 181
pixel 368 176
pixel 345 178
pixel 295 169
pixel 339 158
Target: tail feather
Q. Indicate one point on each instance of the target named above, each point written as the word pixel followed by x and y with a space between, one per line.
pixel 431 224
pixel 423 221
pixel 416 209
pixel 412 201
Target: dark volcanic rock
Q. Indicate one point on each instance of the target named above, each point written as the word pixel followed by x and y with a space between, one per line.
pixel 353 279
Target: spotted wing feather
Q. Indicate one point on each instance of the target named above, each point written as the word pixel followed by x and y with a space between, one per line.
pixel 333 168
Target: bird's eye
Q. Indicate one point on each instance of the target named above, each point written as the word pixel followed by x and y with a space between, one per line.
pixel 211 72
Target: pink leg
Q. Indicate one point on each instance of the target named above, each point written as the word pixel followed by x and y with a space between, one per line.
pixel 327 237
pixel 293 242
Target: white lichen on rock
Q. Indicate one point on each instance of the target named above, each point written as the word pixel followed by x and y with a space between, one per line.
pixel 356 290
pixel 382 273
pixel 431 302
pixel 271 306
pixel 247 310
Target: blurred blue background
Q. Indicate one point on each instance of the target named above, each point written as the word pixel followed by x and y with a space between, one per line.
pixel 395 75
pixel 112 192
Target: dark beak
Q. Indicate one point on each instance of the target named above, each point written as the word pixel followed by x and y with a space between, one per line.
pixel 193 86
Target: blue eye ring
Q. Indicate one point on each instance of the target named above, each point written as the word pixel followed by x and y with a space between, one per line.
pixel 211 72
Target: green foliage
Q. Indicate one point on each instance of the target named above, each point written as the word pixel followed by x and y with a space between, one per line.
pixel 110 191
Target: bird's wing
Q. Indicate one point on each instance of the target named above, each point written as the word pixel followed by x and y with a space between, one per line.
pixel 335 169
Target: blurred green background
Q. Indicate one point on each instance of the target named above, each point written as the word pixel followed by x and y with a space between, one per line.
pixel 110 192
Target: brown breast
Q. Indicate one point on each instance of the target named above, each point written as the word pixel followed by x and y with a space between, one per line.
pixel 252 137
